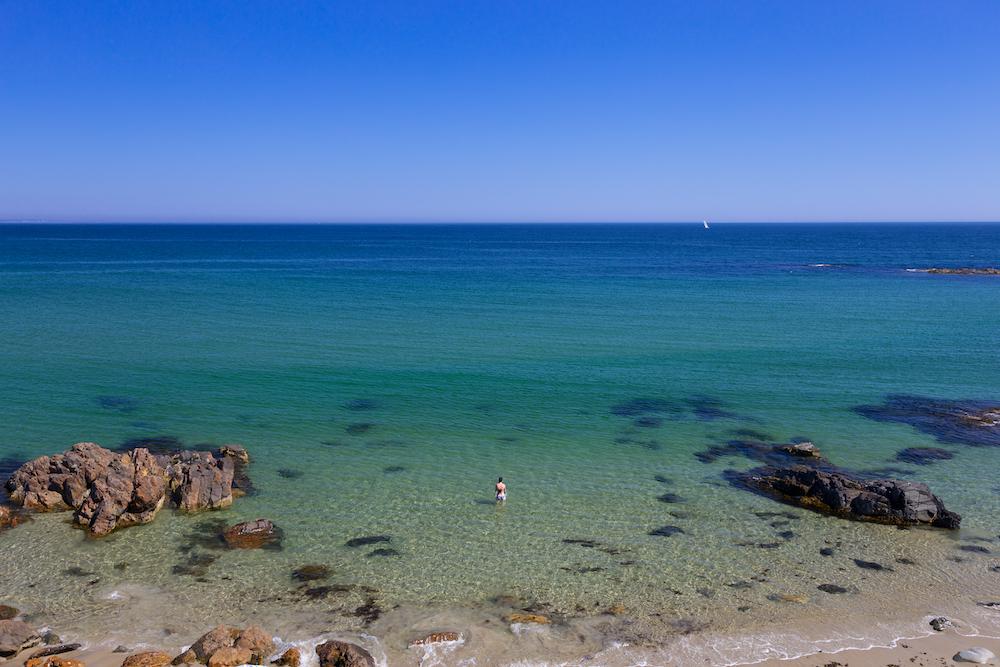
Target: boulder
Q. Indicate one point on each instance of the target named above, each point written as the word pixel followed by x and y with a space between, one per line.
pixel 290 658
pixel 977 655
pixel 7 612
pixel 252 534
pixel 16 636
pixel 59 482
pixel 940 623
pixel 53 661
pixel 257 641
pixel 130 491
pixel 147 659
pixel 342 654
pixel 436 638
pixel 219 637
pixel 839 493
pixel 231 656
pixel 199 481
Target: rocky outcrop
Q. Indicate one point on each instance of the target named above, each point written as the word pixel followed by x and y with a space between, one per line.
pixel 16 636
pixel 252 535
pixel 964 271
pixel 110 490
pixel 225 646
pixel 343 654
pixel 888 501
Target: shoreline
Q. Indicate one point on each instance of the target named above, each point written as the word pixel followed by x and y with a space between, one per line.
pixel 479 646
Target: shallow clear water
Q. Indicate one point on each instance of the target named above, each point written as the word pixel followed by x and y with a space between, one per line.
pixel 477 351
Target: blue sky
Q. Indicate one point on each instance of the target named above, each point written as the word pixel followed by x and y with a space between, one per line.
pixel 499 111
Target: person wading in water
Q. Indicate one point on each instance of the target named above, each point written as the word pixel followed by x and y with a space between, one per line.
pixel 501 489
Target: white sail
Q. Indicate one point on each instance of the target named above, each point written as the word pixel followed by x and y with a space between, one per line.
pixel 705 222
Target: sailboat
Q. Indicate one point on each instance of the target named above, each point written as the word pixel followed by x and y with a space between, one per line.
pixel 705 222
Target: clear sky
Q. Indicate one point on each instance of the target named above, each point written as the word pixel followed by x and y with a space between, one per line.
pixel 499 111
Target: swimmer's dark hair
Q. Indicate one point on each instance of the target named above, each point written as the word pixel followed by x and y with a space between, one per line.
pixel 499 480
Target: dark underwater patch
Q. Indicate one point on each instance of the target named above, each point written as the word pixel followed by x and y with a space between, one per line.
pixel 666 531
pixel 973 423
pixel 706 408
pixel 393 469
pixel 358 428
pixel 383 553
pixel 366 540
pixel 122 404
pixel 158 444
pixel 289 473
pixel 923 456
pixel 637 407
pixel 669 498
pixel 362 404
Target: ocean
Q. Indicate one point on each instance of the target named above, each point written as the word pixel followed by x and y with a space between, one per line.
pixel 383 377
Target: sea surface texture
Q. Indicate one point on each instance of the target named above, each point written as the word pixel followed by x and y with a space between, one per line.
pixel 382 378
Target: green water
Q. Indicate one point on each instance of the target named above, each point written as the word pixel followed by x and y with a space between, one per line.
pixel 486 351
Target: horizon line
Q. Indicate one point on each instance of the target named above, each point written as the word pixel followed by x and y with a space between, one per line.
pixel 493 222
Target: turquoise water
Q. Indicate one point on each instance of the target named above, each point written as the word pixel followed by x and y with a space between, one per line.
pixel 393 372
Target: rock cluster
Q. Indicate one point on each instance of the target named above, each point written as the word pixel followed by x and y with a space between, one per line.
pixel 109 490
pixel 225 646
pixel 888 501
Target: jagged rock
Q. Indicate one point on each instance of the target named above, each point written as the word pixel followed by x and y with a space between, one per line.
pixel 16 636
pixel 230 656
pixel 199 481
pixel 436 638
pixel 838 493
pixel 518 617
pixel 147 659
pixel 252 534
pixel 130 491
pixel 111 490
pixel 342 654
pixel 804 449
pixel 235 452
pixel 290 658
pixel 7 612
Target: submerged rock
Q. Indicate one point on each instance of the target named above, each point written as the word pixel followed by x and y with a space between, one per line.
pixel 369 539
pixel 975 423
pixel 342 654
pixel 252 535
pixel 803 449
pixel 436 638
pixel 922 456
pixel 666 531
pixel 311 573
pixel 838 493
pixel 7 612
pixel 832 589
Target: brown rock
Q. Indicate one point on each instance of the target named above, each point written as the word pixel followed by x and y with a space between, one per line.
pixel 343 654
pixel 236 452
pixel 290 658
pixel 219 637
pixel 231 656
pixel 7 612
pixel 252 534
pixel 258 642
pixel 59 482
pixel 527 618
pixel 16 636
pixel 53 661
pixel 436 638
pixel 199 481
pixel 147 659
pixel 186 658
pixel 130 491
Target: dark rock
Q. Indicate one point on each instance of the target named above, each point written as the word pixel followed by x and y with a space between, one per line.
pixel 902 560
pixel 666 531
pixel 922 456
pixel 670 498
pixel 253 535
pixel 648 422
pixel 158 444
pixel 589 544
pixel 361 405
pixel 53 650
pixel 393 469
pixel 838 493
pixel 311 573
pixel 975 423
pixel 869 565
pixel 974 548
pixel 962 271
pixel 940 623
pixel 368 612
pixel 826 551
pixel 7 612
pixel 288 473
pixel 343 654
pixel 365 541
pixel 663 480
pixel 383 553
pixel 832 589
pixel 358 428
pixel 706 408
pixel 786 534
